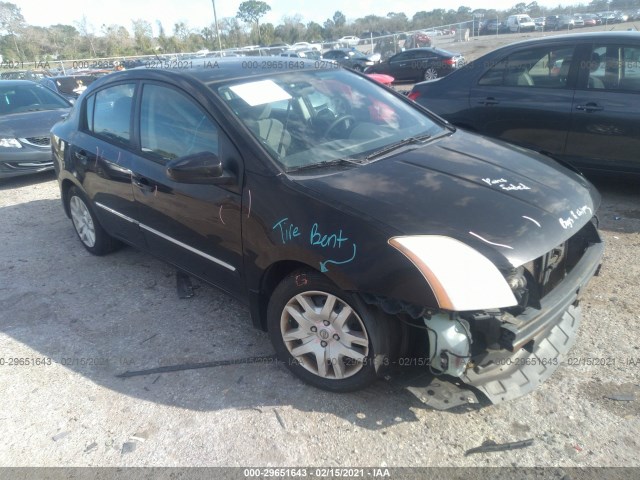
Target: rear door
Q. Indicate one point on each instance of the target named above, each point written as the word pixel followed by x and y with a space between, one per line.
pixel 526 98
pixel 605 129
pixel 407 65
pixel 194 226
pixel 102 152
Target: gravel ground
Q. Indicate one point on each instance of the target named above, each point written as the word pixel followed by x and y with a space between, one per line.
pixel 99 317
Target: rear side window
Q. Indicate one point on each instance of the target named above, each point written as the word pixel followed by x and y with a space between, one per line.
pixel 108 113
pixel 172 125
pixel 614 67
pixel 547 67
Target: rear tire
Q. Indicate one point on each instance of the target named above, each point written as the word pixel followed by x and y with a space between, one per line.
pixel 430 74
pixel 328 338
pixel 89 231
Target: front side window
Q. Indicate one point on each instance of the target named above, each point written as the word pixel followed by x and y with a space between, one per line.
pixel 108 112
pixel 312 117
pixel 172 125
pixel 614 67
pixel 547 67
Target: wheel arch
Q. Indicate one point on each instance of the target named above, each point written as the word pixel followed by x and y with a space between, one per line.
pixel 271 277
pixel 65 186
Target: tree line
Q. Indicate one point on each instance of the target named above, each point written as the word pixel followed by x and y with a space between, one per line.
pixel 20 41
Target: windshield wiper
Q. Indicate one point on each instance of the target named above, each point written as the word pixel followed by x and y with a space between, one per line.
pixel 394 146
pixel 327 163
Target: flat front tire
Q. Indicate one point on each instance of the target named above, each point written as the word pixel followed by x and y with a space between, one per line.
pixel 326 337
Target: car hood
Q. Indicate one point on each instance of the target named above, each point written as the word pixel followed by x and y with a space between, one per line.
pixel 30 124
pixel 493 196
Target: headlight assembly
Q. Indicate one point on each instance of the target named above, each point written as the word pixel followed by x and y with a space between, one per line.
pixel 10 143
pixel 461 278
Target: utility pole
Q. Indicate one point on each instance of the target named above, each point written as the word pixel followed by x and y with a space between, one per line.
pixel 215 19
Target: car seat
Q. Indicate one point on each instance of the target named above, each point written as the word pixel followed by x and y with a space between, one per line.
pixel 270 130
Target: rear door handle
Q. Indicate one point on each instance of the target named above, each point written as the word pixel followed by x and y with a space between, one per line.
pixel 488 101
pixel 81 155
pixel 589 107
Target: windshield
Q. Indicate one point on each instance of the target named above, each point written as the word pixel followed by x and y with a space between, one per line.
pixel 28 98
pixel 319 117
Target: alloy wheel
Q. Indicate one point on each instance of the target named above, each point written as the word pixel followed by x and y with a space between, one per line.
pixel 82 221
pixel 324 335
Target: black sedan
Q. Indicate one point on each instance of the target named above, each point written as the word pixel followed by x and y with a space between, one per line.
pixel 27 113
pixel 419 64
pixel 350 58
pixel 574 97
pixel 344 215
pixel 493 27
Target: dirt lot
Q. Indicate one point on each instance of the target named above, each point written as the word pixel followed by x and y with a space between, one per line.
pixel 79 321
pixel 98 317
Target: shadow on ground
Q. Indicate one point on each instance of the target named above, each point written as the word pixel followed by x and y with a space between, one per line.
pixel 103 316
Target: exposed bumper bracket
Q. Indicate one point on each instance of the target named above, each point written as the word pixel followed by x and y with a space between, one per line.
pixel 520 373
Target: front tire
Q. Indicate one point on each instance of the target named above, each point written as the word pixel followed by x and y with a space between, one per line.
pixel 328 338
pixel 89 231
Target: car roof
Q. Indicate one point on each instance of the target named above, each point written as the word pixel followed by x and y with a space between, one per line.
pixel 575 37
pixel 213 70
pixel 16 82
pixel 421 49
pixel 79 75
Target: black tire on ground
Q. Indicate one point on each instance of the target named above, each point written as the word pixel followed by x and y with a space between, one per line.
pixel 328 338
pixel 89 231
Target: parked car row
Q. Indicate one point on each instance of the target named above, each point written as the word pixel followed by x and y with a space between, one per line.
pixel 523 23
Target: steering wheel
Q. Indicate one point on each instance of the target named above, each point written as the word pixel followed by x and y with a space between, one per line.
pixel 338 121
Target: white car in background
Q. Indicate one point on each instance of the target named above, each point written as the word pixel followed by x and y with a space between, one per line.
pixel 349 40
pixel 306 46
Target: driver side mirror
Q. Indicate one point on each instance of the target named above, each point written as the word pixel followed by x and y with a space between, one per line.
pixel 201 168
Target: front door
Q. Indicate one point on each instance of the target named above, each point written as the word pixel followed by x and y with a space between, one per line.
pixel 197 227
pixel 605 128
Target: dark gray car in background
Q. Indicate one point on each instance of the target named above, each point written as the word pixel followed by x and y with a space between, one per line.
pixel 27 113
pixel 574 97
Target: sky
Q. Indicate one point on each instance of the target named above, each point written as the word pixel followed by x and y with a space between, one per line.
pixel 199 13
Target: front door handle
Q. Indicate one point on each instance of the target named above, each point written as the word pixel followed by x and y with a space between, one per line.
pixel 589 107
pixel 488 101
pixel 142 183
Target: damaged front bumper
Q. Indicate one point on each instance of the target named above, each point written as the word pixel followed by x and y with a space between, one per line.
pixel 539 339
pixel 524 351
